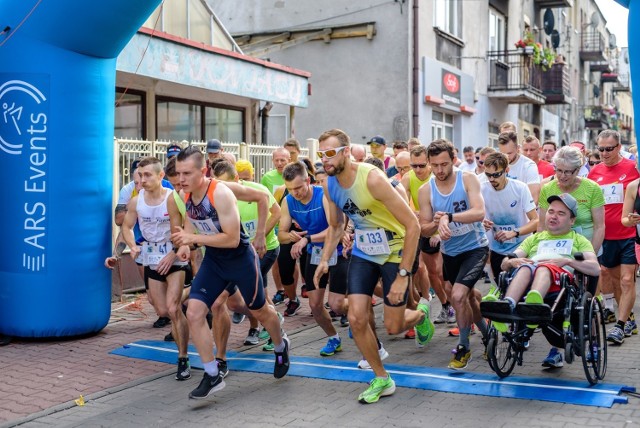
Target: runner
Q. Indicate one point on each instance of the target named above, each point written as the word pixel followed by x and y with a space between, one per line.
pixel 229 258
pixel 452 205
pixel 156 212
pixel 382 220
pixel 520 167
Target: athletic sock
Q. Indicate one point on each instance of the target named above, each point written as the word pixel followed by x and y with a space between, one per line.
pixel 211 368
pixel 337 336
pixel 464 337
pixel 482 327
pixel 620 324
pixel 279 348
pixel 632 317
pixel 512 302
pixel 608 301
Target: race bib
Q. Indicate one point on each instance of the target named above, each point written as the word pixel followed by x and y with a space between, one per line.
pixel 250 228
pixel 316 256
pixel 458 229
pixel 505 228
pixel 613 193
pixel 372 242
pixel 554 248
pixel 205 227
pixel 153 253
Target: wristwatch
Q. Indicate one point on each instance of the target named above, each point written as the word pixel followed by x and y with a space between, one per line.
pixel 517 231
pixel 404 273
pixel 450 215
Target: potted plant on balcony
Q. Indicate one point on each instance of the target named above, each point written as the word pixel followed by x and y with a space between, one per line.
pixel 544 57
pixel 526 44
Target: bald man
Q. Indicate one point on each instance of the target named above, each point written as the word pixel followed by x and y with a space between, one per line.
pixel 358 152
pixel 403 161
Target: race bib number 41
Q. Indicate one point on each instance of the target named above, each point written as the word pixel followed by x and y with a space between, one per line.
pixel 372 242
pixel 153 253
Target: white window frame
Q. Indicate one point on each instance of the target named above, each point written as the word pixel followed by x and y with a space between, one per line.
pixel 497 30
pixel 439 128
pixel 447 16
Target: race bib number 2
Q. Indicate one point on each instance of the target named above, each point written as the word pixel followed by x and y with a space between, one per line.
pixel 613 193
pixel 372 242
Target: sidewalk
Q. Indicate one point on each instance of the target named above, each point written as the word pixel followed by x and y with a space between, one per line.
pixel 127 392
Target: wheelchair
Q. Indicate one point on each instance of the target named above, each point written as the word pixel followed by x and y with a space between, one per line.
pixel 571 319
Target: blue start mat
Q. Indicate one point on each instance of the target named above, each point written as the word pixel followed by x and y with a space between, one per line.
pixel 428 378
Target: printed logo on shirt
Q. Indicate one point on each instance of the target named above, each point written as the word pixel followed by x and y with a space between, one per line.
pixel 351 208
pixel 513 204
pixel 622 177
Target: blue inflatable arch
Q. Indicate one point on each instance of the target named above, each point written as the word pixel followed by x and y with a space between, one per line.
pixel 57 84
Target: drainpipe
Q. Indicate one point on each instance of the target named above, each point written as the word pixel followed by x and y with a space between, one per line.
pixel 416 71
pixel 264 116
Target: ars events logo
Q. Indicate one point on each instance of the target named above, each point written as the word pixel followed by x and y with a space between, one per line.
pixel 24 143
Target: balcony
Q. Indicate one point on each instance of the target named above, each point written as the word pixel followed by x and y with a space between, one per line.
pixel 609 78
pixel 513 78
pixel 601 66
pixel 592 46
pixel 595 117
pixel 625 136
pixel 555 84
pixel 553 3
pixel 623 83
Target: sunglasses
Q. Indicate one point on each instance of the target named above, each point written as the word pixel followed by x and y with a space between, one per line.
pixel 592 163
pixel 330 153
pixel 479 162
pixel 494 175
pixel 608 149
pixel 567 171
pixel 418 165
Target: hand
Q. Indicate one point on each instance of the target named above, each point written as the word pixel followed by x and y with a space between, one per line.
pixel 520 261
pixel 135 252
pixel 438 215
pixel 298 248
pixel 501 235
pixel 434 240
pixel 296 236
pixel 488 224
pixel 561 262
pixel 260 244
pixel 179 237
pixel 184 253
pixel 443 228
pixel 110 262
pixel 322 269
pixel 346 240
pixel 398 290
pixel 634 218
pixel 166 263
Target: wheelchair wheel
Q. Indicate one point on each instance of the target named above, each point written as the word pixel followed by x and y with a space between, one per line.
pixel 501 354
pixel 593 341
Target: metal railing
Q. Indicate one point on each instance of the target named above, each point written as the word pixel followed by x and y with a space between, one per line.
pixel 513 70
pixel 556 81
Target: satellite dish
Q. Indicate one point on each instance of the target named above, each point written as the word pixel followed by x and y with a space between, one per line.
pixel 595 19
pixel 549 21
pixel 612 41
pixel 555 39
pixel 596 91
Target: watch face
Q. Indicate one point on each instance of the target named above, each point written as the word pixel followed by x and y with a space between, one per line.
pixel 403 272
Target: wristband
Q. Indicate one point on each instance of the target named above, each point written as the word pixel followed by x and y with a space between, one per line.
pixel 175 250
pixel 450 215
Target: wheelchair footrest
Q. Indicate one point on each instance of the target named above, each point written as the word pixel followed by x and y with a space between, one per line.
pixel 498 311
pixel 534 313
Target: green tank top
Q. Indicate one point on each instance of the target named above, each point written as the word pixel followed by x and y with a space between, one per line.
pixel 414 185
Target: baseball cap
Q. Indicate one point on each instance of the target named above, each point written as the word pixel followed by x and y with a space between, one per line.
pixel 377 140
pixel 578 145
pixel 214 146
pixel 568 200
pixel 173 150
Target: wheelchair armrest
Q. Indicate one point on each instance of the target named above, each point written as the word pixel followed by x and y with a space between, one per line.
pixel 512 256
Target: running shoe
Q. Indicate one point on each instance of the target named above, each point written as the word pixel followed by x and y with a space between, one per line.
pixel 223 368
pixel 455 332
pixel 630 327
pixel 616 335
pixel 252 338
pixel 609 316
pixel 497 304
pixel 424 330
pixel 279 297
pixel 461 358
pixel 533 298
pixel 162 322
pixel 292 307
pixel 334 315
pixel 169 337
pixel 451 315
pixel 264 334
pixel 184 371
pixel 553 360
pixel 344 321
pixel 208 385
pixel 281 366
pixel 268 347
pixel 333 345
pixel 378 387
pixel 410 334
pixel 364 365
pixel 237 318
pixel 442 316
pixel 303 291
pixel 487 280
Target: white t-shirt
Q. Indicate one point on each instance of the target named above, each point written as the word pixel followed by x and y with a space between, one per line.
pixel 584 171
pixel 507 209
pixel 125 193
pixel 524 170
pixel 469 167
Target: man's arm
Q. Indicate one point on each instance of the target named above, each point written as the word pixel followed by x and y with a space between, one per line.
pixel 249 194
pixel 597 216
pixel 128 223
pixel 427 224
pixel 535 191
pixel 521 259
pixel 476 202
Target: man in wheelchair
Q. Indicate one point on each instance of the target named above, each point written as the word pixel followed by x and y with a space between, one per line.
pixel 540 261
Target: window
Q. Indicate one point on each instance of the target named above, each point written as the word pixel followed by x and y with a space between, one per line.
pixel 448 16
pixel 193 121
pixel 441 126
pixel 129 114
pixel 497 29
pixel 493 135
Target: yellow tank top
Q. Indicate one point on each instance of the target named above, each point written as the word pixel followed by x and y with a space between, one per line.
pixel 414 185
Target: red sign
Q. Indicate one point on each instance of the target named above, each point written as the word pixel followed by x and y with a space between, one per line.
pixel 451 82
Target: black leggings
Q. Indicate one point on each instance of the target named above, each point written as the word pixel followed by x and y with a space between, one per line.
pixel 287 264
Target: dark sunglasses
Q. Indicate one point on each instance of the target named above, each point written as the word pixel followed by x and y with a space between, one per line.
pixel 494 175
pixel 418 165
pixel 608 149
pixel 592 163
